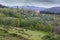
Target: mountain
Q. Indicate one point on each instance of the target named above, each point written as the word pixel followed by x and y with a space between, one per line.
pixel 2 6
pixel 53 10
pixel 33 7
pixel 30 7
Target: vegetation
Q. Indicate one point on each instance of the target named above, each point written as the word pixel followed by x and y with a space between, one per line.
pixel 26 24
pixel 51 37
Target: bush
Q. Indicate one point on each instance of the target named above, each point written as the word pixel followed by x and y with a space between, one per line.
pixel 2 15
pixel 51 37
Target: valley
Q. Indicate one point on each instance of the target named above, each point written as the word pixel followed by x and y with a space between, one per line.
pixel 27 24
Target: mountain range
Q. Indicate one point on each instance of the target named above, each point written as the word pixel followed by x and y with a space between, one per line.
pixel 2 6
pixel 51 10
pixel 30 7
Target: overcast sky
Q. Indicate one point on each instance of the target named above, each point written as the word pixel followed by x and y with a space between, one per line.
pixel 38 3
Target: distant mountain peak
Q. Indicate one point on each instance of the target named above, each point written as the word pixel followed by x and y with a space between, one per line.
pixel 2 6
pixel 52 10
pixel 30 7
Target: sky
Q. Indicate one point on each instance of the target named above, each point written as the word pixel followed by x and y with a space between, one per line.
pixel 38 3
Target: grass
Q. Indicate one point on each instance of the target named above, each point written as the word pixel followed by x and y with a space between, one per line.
pixel 35 35
pixel 28 34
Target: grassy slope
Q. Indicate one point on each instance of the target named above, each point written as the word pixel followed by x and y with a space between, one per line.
pixel 29 34
pixel 36 35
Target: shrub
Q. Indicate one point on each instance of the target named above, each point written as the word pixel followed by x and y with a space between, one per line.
pixel 51 37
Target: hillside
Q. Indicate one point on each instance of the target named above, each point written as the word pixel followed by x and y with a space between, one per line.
pixel 20 24
pixel 2 6
pixel 53 10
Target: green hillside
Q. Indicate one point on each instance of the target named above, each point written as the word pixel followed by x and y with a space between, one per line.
pixel 24 24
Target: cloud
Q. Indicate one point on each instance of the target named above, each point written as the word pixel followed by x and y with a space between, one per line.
pixel 31 2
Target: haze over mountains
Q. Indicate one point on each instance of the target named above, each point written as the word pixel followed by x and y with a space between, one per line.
pixel 29 7
pixel 52 10
pixel 2 6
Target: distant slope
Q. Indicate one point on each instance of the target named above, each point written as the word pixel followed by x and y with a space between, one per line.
pixel 53 10
pixel 30 7
pixel 2 6
pixel 33 7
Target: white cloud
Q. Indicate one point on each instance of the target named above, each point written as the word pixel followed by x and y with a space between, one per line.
pixel 41 3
